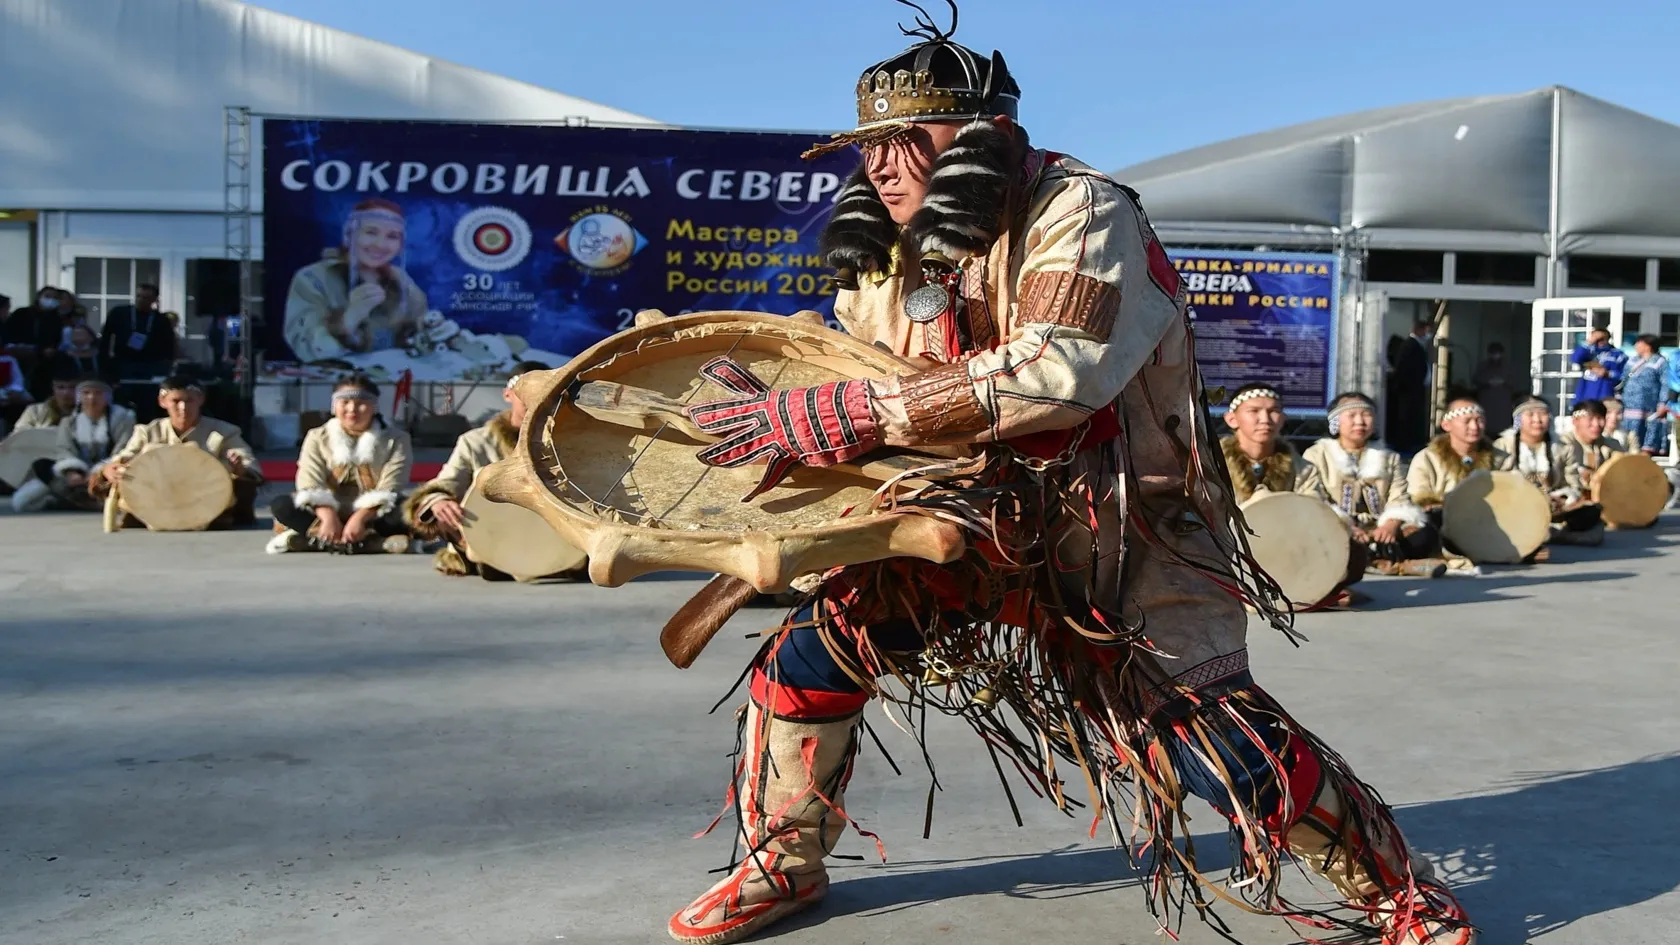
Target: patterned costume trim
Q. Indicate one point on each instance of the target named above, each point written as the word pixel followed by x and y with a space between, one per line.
pixel 941 403
pixel 1070 299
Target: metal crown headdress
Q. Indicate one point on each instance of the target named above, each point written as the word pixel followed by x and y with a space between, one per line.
pixel 934 80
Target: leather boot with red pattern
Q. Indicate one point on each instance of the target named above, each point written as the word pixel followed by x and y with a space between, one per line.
pixel 1395 887
pixel 792 780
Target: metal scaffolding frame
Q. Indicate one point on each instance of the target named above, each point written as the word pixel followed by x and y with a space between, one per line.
pixel 237 157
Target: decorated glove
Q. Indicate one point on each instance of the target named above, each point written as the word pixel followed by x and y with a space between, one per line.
pixel 816 426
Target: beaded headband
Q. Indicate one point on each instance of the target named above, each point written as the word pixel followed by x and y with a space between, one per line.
pixel 1529 406
pixel 1351 403
pixel 1252 393
pixel 1464 410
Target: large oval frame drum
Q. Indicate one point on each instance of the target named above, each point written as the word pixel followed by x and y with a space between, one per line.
pixel 1631 489
pixel 1496 517
pixel 19 452
pixel 1300 542
pixel 175 488
pixel 607 457
pixel 514 540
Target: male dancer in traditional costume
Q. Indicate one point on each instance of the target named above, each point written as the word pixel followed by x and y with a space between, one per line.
pixel 1102 594
pixel 434 510
pixel 1363 482
pixel 1259 459
pixel 1531 450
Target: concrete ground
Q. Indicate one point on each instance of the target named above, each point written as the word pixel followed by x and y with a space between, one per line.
pixel 201 744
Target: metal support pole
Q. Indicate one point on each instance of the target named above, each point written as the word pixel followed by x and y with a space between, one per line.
pixel 1556 186
pixel 236 228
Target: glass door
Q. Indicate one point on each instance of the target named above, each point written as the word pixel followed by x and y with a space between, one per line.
pixel 1558 326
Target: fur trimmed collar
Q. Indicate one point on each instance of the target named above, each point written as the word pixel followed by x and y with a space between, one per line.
pixel 345 451
pixel 504 432
pixel 1276 472
pixel 1480 458
pixel 1371 464
pixel 962 215
pixel 93 435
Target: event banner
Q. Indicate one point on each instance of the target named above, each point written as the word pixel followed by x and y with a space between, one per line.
pixel 1267 317
pixel 454 250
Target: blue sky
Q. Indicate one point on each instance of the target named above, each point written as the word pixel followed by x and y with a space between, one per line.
pixel 1110 82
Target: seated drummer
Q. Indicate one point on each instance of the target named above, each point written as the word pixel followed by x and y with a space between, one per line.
pixel 87 439
pixel 351 473
pixel 433 512
pixel 1532 451
pixel 52 411
pixel 184 422
pixel 1585 445
pixel 1260 460
pixel 1362 482
pixel 1450 458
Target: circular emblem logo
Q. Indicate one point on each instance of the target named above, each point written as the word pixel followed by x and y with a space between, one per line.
pixel 601 241
pixel 492 239
pixel 881 106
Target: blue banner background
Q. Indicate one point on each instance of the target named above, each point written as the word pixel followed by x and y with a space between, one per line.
pixel 1266 317
pixel 552 298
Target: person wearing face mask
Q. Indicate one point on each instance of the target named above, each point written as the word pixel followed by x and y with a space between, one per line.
pixel 31 335
pixel 350 477
pixel 358 298
pixel 1095 621
pixel 182 401
pixel 1530 449
pixel 434 512
pixel 1365 486
pixel 87 440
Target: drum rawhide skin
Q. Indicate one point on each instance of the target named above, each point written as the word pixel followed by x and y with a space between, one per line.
pixel 1300 542
pixel 175 488
pixel 608 458
pixel 1631 489
pixel 19 452
pixel 1496 517
pixel 514 540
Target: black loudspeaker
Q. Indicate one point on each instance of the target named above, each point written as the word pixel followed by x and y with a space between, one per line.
pixel 214 286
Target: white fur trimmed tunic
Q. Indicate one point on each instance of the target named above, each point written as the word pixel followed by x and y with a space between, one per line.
pixel 1367 488
pixel 353 472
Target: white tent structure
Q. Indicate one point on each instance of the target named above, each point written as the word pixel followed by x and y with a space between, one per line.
pixel 1551 171
pixel 1484 203
pixel 112 139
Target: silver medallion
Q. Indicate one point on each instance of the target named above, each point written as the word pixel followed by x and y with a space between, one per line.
pixel 926 304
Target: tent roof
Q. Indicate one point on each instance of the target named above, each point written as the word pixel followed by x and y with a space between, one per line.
pixel 1470 164
pixel 125 98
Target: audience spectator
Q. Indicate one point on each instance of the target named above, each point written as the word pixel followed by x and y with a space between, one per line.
pixel 1601 365
pixel 138 343
pixel 1413 361
pixel 1644 399
pixel 1493 386
pixel 31 334
pixel 82 353
pixel 60 404
pixel 87 440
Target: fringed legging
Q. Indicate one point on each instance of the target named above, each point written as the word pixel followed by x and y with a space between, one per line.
pixel 798 677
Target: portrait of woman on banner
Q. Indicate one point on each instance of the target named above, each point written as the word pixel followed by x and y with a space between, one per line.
pixel 358 298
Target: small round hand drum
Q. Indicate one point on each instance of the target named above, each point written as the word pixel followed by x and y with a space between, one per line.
pixel 19 452
pixel 1300 541
pixel 514 540
pixel 608 458
pixel 1496 517
pixel 176 488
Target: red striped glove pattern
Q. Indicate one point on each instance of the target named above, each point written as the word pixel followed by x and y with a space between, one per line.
pixel 814 426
